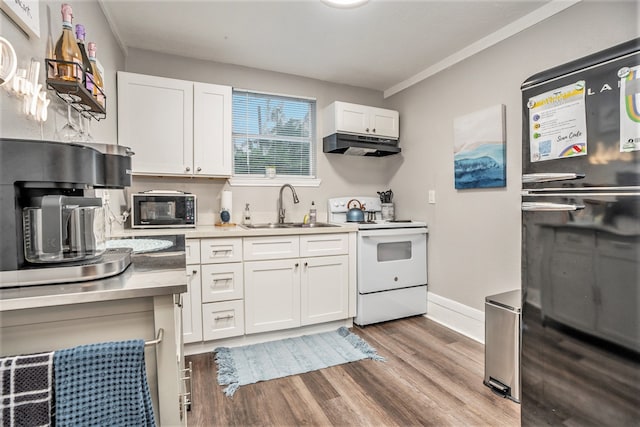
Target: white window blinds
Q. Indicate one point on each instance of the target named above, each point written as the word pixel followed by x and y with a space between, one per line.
pixel 273 130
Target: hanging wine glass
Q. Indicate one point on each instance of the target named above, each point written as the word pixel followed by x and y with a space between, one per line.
pixel 87 130
pixel 69 132
pixel 80 137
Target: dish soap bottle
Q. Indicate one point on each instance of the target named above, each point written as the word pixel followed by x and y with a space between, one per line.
pixel 246 219
pixel 313 214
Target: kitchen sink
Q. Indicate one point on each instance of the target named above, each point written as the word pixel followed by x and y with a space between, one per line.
pixel 272 225
pixel 314 225
pixel 268 225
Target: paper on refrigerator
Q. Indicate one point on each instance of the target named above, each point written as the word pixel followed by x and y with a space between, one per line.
pixel 629 109
pixel 557 123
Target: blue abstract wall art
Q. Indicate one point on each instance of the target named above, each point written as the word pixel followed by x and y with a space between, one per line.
pixel 480 149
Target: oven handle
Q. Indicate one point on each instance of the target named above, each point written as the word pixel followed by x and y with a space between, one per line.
pixel 392 232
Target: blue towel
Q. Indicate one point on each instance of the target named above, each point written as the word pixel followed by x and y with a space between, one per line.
pixel 102 385
pixel 25 390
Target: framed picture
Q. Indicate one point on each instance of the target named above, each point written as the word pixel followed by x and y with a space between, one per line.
pixel 25 13
pixel 480 149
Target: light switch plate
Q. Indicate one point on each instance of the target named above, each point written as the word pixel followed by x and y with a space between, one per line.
pixel 432 196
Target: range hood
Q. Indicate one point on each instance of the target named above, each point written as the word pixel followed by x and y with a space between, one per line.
pixel 359 145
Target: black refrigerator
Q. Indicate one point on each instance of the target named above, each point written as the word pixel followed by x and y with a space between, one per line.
pixel 580 360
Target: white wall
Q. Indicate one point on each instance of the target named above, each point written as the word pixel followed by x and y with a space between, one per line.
pixel 474 241
pixel 340 175
pixel 86 12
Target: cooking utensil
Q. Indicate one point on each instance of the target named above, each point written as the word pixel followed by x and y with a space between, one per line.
pixel 355 214
pixel 385 196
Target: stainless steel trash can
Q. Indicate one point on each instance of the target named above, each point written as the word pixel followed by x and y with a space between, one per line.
pixel 502 343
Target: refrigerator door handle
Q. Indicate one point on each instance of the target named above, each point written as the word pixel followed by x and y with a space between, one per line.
pixel 545 207
pixel 530 178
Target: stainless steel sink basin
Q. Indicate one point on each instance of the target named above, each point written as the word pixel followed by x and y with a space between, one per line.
pixel 268 225
pixel 314 225
pixel 272 225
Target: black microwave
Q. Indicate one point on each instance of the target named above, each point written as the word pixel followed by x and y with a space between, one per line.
pixel 164 209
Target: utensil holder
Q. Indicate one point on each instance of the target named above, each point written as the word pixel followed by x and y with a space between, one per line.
pixel 388 211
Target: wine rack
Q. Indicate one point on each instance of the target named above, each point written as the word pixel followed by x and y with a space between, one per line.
pixel 75 94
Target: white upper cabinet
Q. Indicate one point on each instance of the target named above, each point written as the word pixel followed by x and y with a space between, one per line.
pixel 155 119
pixel 175 127
pixel 212 149
pixel 361 119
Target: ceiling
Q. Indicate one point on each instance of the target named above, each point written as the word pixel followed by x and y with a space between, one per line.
pixel 383 45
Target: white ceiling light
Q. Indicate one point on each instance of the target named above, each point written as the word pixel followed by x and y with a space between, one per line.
pixel 344 4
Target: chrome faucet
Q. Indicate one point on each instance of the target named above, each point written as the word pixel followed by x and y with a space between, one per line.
pixel 281 210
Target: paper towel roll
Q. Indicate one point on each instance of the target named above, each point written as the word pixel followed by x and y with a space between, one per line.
pixel 225 201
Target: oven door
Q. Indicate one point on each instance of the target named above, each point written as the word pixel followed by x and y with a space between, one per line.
pixel 391 259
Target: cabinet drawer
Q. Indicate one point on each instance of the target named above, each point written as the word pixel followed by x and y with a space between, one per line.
pixel 222 319
pixel 192 251
pixel 221 282
pixel 220 250
pixel 261 248
pixel 324 244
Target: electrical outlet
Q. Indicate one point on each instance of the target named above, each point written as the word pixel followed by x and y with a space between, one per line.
pixel 432 196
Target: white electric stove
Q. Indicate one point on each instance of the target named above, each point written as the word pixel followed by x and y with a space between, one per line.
pixel 392 262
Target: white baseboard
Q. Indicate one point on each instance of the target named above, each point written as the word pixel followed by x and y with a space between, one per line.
pixel 459 317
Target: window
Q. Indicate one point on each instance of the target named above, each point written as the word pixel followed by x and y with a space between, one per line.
pixel 273 130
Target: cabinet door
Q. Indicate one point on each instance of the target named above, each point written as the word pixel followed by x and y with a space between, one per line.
pixel 191 306
pixel 212 130
pixel 352 118
pixel 324 289
pixel 221 282
pixel 384 122
pixel 155 119
pixel 192 251
pixel 272 295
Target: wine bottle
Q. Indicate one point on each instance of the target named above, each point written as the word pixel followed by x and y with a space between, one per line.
pixel 98 85
pixel 67 49
pixel 87 77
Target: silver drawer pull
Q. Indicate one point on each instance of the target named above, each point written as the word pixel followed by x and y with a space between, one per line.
pixel 227 317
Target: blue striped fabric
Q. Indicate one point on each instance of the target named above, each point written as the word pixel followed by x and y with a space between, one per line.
pixel 102 385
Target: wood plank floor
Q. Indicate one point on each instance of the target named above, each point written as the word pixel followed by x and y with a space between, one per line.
pixel 432 376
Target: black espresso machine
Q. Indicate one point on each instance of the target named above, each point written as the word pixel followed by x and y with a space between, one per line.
pixel 52 226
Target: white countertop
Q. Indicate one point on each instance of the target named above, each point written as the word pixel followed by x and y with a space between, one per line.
pixel 210 231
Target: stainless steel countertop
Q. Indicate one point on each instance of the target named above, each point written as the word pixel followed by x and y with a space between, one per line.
pixel 150 274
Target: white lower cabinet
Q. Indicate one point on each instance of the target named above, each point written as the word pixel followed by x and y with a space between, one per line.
pixel 324 290
pixel 292 292
pixel 213 307
pixel 192 299
pixel 272 297
pixel 251 285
